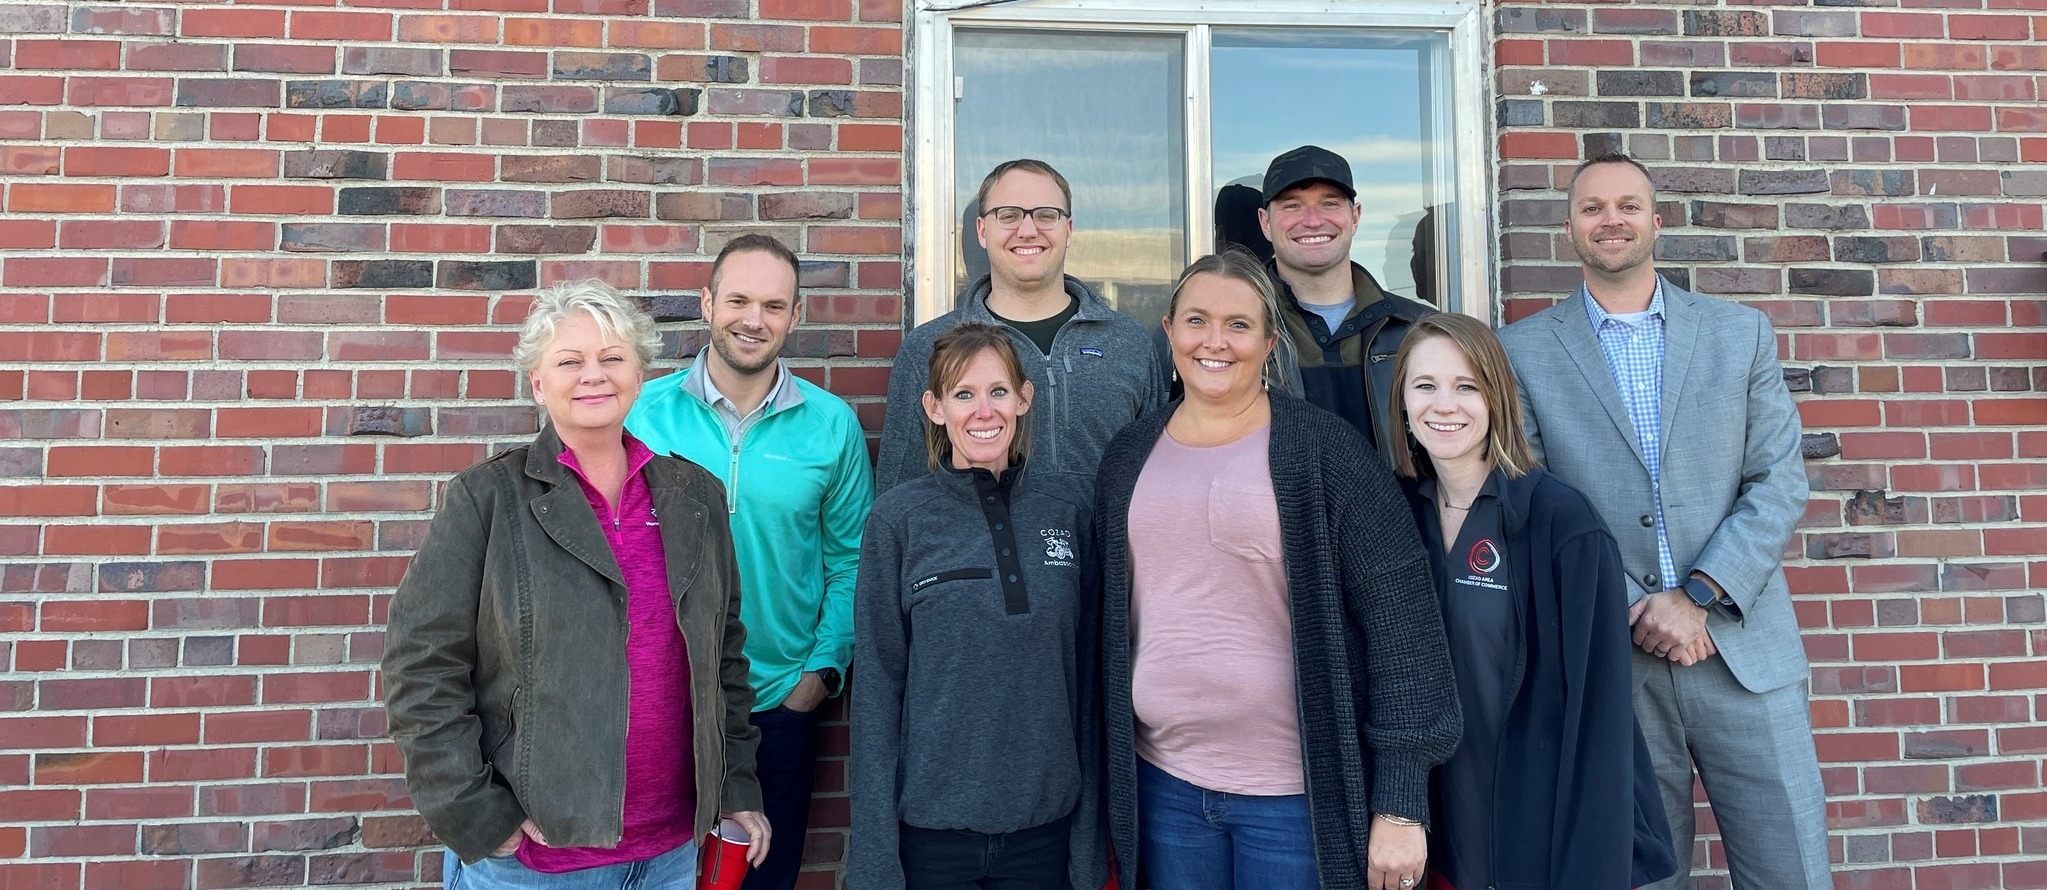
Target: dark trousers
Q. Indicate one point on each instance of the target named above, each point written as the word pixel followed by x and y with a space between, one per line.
pixel 786 762
pixel 1031 859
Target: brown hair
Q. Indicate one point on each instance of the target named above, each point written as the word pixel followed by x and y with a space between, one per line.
pixel 756 243
pixel 1506 443
pixel 1613 157
pixel 951 353
pixel 1027 165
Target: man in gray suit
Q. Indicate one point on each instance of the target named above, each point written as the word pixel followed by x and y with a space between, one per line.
pixel 1669 411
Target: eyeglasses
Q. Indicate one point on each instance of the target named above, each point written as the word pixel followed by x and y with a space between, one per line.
pixel 1011 217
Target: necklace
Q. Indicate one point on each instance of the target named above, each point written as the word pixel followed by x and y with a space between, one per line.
pixel 1448 506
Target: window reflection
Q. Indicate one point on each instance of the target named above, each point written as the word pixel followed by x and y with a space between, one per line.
pixel 1366 95
pixel 1104 109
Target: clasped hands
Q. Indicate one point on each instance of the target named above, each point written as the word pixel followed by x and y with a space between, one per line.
pixel 1669 625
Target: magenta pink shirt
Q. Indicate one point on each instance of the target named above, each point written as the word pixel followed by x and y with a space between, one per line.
pixel 660 781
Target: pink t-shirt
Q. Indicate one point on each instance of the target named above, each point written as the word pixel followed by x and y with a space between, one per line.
pixel 1212 670
pixel 660 778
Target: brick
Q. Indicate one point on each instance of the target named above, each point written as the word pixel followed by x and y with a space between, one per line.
pixel 381 274
pixel 547 239
pixel 552 168
pixel 487 275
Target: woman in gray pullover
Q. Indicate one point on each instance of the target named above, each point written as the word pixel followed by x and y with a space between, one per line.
pixel 973 719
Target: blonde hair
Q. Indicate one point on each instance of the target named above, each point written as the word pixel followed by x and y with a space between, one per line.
pixel 1506 443
pixel 617 315
pixel 951 353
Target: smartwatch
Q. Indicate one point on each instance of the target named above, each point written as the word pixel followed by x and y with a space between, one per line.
pixel 1701 592
pixel 832 681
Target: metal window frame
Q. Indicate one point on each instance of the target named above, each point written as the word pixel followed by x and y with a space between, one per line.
pixel 931 211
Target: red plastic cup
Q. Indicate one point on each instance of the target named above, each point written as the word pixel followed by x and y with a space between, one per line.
pixel 721 863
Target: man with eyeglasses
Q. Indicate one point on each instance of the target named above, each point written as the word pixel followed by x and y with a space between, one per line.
pixel 1092 368
pixel 1343 328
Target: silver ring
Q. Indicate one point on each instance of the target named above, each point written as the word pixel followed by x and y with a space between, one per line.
pixel 1406 882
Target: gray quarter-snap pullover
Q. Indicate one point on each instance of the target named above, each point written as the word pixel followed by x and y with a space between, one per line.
pixel 974 645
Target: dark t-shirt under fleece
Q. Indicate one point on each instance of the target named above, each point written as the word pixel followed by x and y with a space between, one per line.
pixel 1041 332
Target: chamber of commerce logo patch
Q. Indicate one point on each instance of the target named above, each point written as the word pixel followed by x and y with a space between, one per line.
pixel 1058 546
pixel 1485 557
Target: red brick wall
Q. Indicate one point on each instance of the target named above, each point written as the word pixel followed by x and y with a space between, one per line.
pixel 254 266
pixel 1874 180
pixel 253 261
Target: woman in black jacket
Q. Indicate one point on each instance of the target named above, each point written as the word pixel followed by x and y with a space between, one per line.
pixel 1275 687
pixel 1551 786
pixel 973 716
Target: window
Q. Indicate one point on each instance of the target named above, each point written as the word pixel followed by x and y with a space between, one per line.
pixel 1157 113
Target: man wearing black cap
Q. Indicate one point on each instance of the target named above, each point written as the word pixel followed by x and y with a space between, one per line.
pixel 1343 328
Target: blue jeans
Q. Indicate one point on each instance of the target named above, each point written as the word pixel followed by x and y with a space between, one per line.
pixel 1191 838
pixel 673 870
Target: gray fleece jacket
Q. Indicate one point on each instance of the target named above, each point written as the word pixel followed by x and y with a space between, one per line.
pixel 974 640
pixel 1101 375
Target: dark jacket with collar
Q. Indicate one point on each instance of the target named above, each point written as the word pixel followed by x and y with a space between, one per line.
pixel 505 665
pixel 1101 374
pixel 1372 672
pixel 975 707
pixel 1349 371
pixel 1575 803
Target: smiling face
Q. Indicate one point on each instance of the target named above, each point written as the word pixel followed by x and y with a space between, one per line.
pixel 1310 227
pixel 586 380
pixel 978 412
pixel 1219 337
pixel 1613 220
pixel 1026 257
pixel 752 311
pixel 1446 408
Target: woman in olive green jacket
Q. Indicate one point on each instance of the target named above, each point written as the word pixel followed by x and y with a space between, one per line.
pixel 563 671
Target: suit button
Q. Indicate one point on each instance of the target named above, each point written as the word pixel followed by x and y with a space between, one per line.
pixel 1654 582
pixel 1648 521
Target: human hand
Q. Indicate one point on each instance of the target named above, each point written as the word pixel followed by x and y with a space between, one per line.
pixel 755 823
pixel 1667 623
pixel 511 845
pixel 1396 855
pixel 808 694
pixel 1695 653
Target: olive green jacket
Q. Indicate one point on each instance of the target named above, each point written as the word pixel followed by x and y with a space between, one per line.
pixel 505 667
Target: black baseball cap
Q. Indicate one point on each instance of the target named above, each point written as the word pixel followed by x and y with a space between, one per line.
pixel 1309 163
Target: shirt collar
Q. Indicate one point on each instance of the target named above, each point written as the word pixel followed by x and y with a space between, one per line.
pixel 782 396
pixel 1599 315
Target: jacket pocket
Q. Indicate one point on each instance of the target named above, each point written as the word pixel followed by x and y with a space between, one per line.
pixel 493 749
pixel 929 581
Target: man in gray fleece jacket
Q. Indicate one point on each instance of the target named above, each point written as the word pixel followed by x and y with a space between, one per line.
pixel 1093 367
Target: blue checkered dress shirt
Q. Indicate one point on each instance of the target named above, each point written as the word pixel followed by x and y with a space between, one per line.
pixel 1634 353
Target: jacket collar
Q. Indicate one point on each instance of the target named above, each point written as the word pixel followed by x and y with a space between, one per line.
pixel 973 304
pixel 1515 497
pixel 696 382
pixel 1370 296
pixel 973 482
pixel 564 513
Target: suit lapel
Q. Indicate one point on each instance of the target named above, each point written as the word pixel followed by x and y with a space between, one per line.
pixel 1680 335
pixel 1574 330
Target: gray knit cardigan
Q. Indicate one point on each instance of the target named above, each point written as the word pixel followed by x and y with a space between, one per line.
pixel 1372 672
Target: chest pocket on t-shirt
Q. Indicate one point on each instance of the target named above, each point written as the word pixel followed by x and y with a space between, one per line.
pixel 1243 521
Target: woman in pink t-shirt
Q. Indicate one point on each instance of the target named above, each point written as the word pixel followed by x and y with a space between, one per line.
pixel 563 672
pixel 1274 683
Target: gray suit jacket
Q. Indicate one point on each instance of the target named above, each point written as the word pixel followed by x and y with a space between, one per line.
pixel 1734 484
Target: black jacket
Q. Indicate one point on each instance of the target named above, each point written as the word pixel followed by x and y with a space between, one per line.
pixel 1349 371
pixel 1371 669
pixel 1575 801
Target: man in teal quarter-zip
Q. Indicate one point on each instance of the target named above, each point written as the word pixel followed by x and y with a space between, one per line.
pixel 797 491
